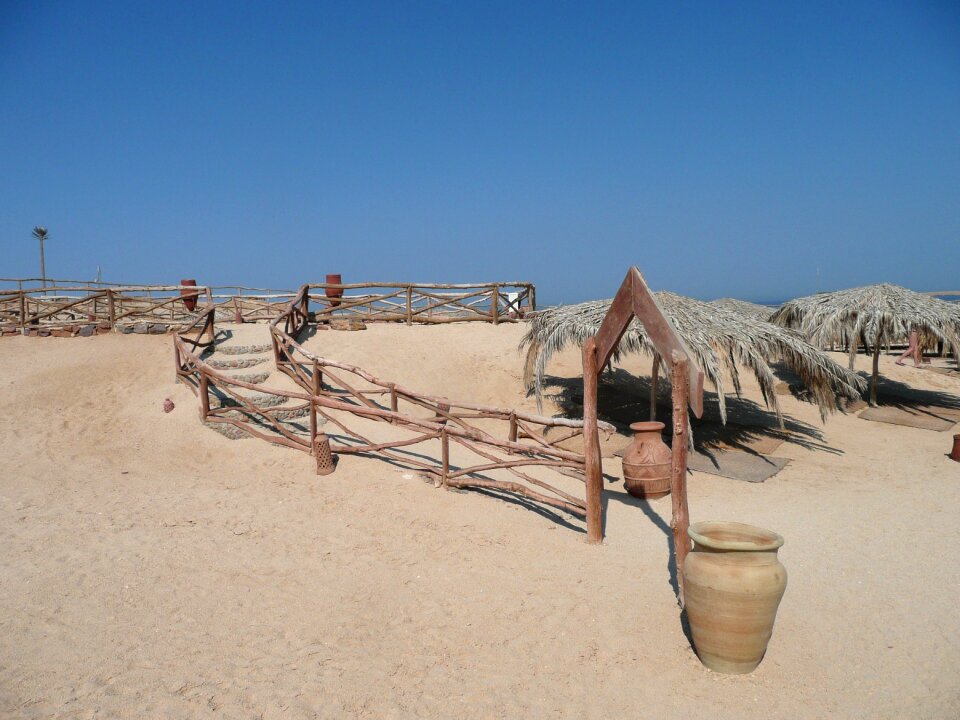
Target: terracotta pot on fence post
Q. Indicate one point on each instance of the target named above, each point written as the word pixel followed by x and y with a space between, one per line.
pixel 189 298
pixel 334 294
pixel 955 453
pixel 733 583
pixel 647 462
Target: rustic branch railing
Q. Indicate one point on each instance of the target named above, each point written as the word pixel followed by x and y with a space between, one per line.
pixel 62 308
pixel 65 304
pixel 425 302
pixel 460 444
pixel 504 439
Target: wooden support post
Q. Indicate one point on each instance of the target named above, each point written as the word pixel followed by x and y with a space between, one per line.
pixel 591 444
pixel 853 353
pixel 513 426
pixel 204 397
pixel 445 445
pixel 654 380
pixel 409 304
pixel 211 325
pixel 276 348
pixel 876 372
pixel 496 304
pixel 393 397
pixel 111 311
pixel 533 298
pixel 176 361
pixel 315 389
pixel 678 475
pixel 23 310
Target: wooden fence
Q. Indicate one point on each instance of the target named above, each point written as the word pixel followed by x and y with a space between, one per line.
pixel 69 308
pixel 460 444
pixel 423 303
pixel 66 305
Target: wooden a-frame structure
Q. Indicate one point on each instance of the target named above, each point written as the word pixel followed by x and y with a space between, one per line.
pixel 634 299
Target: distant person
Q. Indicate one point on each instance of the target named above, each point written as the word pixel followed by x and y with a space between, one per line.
pixel 913 349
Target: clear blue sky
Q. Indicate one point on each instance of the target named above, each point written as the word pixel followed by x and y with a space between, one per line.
pixel 725 148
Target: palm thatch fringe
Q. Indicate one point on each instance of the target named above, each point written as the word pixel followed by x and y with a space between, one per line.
pixel 874 316
pixel 742 307
pixel 721 342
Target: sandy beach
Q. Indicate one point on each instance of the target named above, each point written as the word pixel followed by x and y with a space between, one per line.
pixel 150 567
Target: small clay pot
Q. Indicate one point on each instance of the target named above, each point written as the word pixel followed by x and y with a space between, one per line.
pixel 334 294
pixel 647 462
pixel 733 583
pixel 955 453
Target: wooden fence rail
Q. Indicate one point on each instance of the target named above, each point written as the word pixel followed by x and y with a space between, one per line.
pixel 65 304
pixel 63 307
pixel 460 444
pixel 424 302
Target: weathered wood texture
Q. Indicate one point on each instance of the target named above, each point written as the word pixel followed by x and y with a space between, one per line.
pixel 425 303
pixel 65 303
pixel 680 522
pixel 463 444
pixel 634 299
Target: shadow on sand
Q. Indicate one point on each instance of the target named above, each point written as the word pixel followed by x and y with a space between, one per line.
pixel 623 398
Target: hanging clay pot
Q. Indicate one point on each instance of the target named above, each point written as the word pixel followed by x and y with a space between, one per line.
pixel 647 462
pixel 733 583
pixel 334 294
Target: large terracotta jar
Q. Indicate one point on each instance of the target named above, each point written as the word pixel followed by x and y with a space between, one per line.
pixel 334 294
pixel 647 462
pixel 733 583
pixel 955 453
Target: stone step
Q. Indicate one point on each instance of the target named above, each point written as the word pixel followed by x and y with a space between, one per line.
pixel 243 349
pixel 237 363
pixel 252 378
pixel 263 400
pixel 234 433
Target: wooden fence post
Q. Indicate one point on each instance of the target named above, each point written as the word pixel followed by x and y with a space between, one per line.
pixel 23 310
pixel 496 304
pixel 513 426
pixel 204 398
pixel 654 379
pixel 409 304
pixel 445 445
pixel 533 298
pixel 591 444
pixel 678 475
pixel 176 360
pixel 111 311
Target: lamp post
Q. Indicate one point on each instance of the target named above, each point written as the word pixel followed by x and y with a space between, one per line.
pixel 40 233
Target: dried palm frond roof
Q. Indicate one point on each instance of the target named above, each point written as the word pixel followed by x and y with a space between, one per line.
pixel 877 313
pixel 742 307
pixel 721 343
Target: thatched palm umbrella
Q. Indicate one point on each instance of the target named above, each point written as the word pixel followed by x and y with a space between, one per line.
pixel 742 307
pixel 873 316
pixel 721 342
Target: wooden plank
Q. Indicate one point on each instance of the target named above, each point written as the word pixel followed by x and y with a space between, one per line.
pixel 591 444
pixel 680 521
